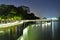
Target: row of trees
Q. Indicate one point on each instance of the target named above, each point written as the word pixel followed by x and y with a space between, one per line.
pixel 21 12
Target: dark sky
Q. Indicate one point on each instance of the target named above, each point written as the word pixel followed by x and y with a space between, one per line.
pixel 41 8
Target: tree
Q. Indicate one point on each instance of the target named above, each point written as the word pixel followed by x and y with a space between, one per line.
pixel 9 11
pixel 23 11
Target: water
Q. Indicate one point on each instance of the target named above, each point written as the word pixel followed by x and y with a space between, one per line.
pixel 41 30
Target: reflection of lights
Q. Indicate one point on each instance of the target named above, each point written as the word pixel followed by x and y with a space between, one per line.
pixel 32 26
pixel 25 31
pixel 1 31
pixel 46 24
pixel 49 24
pixel 43 26
pixel 22 38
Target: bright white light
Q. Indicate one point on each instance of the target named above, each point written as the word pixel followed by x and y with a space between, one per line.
pixel 54 18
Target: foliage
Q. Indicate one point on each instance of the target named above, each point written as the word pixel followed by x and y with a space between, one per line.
pixel 18 13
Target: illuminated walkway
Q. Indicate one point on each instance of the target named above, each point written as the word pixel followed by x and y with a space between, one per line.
pixel 22 21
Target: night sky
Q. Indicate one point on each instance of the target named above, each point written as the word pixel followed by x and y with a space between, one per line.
pixel 41 8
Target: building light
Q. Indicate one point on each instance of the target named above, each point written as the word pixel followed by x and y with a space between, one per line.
pixel 54 18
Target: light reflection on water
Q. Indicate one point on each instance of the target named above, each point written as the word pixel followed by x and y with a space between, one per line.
pixel 37 31
pixel 44 31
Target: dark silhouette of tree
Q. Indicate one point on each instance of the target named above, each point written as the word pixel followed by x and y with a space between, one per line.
pixel 8 11
pixel 24 11
pixel 31 16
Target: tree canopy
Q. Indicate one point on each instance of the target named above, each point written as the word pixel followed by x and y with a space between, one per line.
pixel 10 11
